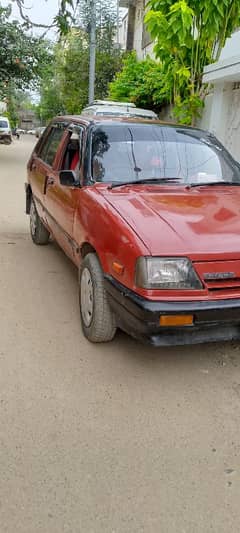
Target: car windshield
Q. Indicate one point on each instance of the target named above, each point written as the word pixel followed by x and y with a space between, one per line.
pixel 3 124
pixel 128 152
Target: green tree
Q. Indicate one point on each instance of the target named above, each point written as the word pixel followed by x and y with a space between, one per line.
pixel 50 97
pixel 64 87
pixel 190 34
pixel 140 82
pixel 22 56
pixel 18 101
pixel 62 21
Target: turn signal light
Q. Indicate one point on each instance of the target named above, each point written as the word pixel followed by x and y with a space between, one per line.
pixel 176 320
pixel 118 268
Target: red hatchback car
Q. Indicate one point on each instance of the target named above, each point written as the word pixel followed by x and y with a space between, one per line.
pixel 150 215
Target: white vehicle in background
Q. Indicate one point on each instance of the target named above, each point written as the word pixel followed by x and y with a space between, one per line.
pixel 31 132
pixel 117 109
pixel 39 131
pixel 5 131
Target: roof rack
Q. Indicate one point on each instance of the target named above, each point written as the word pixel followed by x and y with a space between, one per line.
pixel 111 102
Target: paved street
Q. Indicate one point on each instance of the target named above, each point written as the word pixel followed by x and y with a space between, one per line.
pixel 117 438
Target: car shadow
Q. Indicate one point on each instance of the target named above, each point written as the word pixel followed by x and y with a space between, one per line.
pixel 130 350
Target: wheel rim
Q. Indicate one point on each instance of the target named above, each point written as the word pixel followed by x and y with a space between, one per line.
pixel 33 219
pixel 86 297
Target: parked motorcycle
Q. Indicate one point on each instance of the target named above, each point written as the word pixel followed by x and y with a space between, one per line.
pixel 15 133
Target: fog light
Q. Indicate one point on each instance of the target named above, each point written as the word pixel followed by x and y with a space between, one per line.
pixel 176 320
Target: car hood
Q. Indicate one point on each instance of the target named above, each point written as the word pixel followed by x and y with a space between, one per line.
pixel 177 221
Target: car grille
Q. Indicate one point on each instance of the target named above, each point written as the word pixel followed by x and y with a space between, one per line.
pixel 220 275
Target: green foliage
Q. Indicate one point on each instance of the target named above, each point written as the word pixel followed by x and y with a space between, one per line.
pixel 22 56
pixel 186 108
pixel 64 87
pixel 141 82
pixel 64 17
pixel 190 34
pixel 18 100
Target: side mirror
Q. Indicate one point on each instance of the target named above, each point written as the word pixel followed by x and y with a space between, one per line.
pixel 68 178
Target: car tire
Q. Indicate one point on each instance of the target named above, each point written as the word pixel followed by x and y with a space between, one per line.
pixel 97 318
pixel 40 235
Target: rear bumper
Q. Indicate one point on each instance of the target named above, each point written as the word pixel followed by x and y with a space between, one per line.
pixel 213 320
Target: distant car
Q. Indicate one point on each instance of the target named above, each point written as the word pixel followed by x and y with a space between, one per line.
pixel 31 132
pixel 5 131
pixel 20 131
pixel 117 109
pixel 39 131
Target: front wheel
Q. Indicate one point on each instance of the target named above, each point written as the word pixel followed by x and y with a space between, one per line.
pixel 40 234
pixel 98 321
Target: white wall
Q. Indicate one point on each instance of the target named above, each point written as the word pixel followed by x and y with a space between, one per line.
pixel 232 46
pixel 138 29
pixel 222 116
pixel 123 32
pixel 204 122
pixel 222 107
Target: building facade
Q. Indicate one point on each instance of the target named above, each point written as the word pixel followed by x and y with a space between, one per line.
pixel 222 106
pixel 133 32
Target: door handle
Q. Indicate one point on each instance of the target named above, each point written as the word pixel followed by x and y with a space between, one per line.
pixel 50 180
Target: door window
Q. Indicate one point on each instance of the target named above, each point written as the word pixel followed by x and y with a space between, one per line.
pixel 73 153
pixel 50 148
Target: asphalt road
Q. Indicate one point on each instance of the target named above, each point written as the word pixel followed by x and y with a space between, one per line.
pixel 116 438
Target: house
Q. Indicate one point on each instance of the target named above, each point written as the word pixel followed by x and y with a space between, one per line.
pixel 221 114
pixel 133 33
pixel 222 106
pixel 27 119
pixel 123 32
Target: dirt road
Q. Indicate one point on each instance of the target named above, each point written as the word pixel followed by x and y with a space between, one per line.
pixel 117 438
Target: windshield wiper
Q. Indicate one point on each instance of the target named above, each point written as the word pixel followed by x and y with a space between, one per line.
pixel 212 183
pixel 142 182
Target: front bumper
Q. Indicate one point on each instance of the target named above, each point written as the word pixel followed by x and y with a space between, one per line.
pixel 213 320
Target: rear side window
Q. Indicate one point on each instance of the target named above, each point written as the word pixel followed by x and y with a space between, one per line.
pixel 50 147
pixel 4 124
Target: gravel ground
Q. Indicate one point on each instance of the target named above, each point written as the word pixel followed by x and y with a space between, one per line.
pixel 117 438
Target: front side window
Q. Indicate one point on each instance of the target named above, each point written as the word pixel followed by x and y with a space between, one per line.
pixel 50 147
pixel 73 153
pixel 129 152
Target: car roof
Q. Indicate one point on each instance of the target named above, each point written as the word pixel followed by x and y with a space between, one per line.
pixel 118 110
pixel 118 121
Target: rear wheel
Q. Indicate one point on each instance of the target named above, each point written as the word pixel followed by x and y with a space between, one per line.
pixel 40 234
pixel 98 321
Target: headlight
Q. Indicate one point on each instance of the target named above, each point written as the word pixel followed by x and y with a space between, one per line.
pixel 166 273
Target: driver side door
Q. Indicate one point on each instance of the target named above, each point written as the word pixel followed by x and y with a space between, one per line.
pixel 61 202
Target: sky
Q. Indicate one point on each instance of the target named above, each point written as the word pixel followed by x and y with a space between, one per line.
pixel 39 11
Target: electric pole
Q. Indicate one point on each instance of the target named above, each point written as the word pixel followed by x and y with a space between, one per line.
pixel 118 23
pixel 92 59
